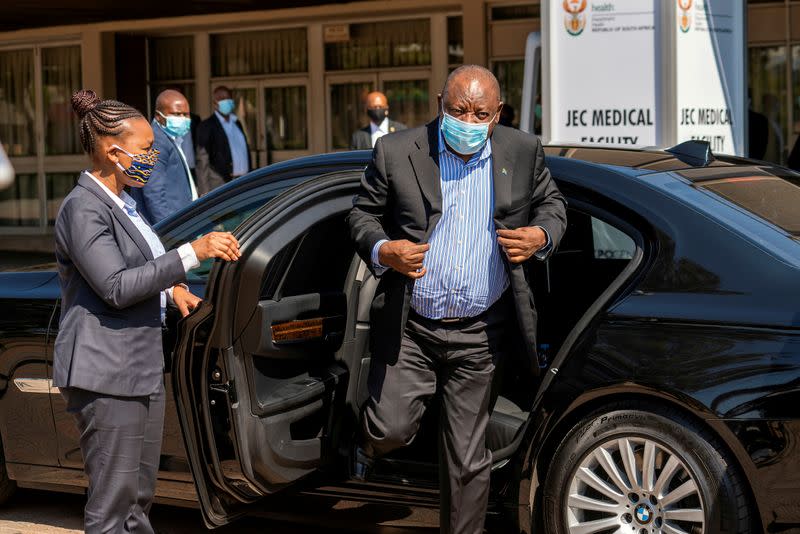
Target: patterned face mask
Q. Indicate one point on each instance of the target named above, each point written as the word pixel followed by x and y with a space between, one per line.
pixel 141 165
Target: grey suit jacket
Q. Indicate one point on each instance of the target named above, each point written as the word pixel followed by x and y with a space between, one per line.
pixel 362 139
pixel 109 337
pixel 401 198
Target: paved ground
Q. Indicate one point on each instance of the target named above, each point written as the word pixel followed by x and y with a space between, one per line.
pixel 35 512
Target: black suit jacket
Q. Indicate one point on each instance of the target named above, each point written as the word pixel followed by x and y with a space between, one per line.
pixel 214 165
pixel 362 139
pixel 401 198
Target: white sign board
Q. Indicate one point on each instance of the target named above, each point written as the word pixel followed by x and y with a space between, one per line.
pixel 709 67
pixel 599 80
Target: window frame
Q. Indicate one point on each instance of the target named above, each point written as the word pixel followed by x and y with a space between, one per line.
pixel 41 164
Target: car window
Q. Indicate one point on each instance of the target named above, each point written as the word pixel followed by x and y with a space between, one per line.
pixel 315 262
pixel 610 243
pixel 224 216
pixel 773 198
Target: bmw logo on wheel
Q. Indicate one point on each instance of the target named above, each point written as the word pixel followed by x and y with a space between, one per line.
pixel 643 514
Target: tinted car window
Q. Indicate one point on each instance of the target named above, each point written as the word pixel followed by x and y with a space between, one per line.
pixel 611 243
pixel 224 216
pixel 773 198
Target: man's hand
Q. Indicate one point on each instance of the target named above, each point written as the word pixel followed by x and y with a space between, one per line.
pixel 404 257
pixel 217 245
pixel 184 300
pixel 522 243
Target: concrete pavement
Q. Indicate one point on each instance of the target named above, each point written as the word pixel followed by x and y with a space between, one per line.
pixel 39 512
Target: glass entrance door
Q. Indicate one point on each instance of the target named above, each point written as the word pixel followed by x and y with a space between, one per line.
pixel 274 116
pixel 410 102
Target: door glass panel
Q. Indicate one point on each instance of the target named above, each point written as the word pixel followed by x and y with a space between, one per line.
pixel 767 72
pixel 455 41
pixel 347 111
pixel 396 43
pixel 610 243
pixel 509 75
pixel 246 99
pixel 17 107
pixel 285 118
pixel 19 204
pixel 408 101
pixel 61 76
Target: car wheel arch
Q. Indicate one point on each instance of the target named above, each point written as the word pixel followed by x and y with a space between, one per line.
pixel 535 455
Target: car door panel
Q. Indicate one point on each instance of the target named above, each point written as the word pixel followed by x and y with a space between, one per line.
pixel 256 377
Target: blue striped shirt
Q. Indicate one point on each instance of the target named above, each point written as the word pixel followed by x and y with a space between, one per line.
pixel 465 271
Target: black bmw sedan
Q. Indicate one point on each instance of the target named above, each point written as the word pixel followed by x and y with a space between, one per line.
pixel 669 401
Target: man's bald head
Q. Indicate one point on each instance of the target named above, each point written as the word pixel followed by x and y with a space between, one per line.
pixel 376 99
pixel 171 102
pixel 471 81
pixel 168 99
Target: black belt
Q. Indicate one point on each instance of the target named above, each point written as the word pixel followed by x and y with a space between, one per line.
pixel 449 321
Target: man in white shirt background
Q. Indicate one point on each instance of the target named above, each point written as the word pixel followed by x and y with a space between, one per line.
pixel 222 149
pixel 171 186
pixel 377 109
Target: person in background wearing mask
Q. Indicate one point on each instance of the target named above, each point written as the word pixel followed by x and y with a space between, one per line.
pixel 171 186
pixel 379 123
pixel 446 218
pixel 222 150
pixel 116 281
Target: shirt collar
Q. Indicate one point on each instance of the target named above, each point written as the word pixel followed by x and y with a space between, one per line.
pixel 118 200
pixel 221 118
pixel 484 153
pixel 383 126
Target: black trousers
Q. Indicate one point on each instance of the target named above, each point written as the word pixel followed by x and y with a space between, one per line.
pixel 121 447
pixel 456 361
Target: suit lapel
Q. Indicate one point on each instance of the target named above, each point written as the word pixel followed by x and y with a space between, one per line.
pixel 130 228
pixel 502 174
pixel 425 161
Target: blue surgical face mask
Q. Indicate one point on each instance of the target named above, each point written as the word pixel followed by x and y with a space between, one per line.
pixel 226 106
pixel 464 137
pixel 176 125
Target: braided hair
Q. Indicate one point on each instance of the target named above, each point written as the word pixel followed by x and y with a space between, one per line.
pixel 100 118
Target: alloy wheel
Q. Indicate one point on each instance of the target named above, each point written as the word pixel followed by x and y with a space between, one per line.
pixel 634 485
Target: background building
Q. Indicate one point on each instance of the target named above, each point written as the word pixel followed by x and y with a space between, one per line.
pixel 298 68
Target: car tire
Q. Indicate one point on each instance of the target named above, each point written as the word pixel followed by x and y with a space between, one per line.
pixel 681 477
pixel 7 486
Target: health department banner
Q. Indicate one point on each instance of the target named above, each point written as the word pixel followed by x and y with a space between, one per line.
pixel 599 76
pixel 709 71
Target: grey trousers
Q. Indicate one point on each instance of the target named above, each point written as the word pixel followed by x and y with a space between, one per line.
pixel 458 362
pixel 121 446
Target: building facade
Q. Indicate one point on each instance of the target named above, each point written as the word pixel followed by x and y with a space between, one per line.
pixel 298 75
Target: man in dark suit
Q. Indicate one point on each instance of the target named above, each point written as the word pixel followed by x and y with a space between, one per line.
pixel 222 149
pixel 379 123
pixel 447 216
pixel 171 186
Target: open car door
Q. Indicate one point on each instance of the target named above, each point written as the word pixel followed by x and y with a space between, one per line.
pixel 256 378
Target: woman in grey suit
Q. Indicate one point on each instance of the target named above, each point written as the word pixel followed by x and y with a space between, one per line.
pixel 116 280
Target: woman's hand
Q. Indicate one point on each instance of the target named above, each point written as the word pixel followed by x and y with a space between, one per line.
pixel 184 300
pixel 217 245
